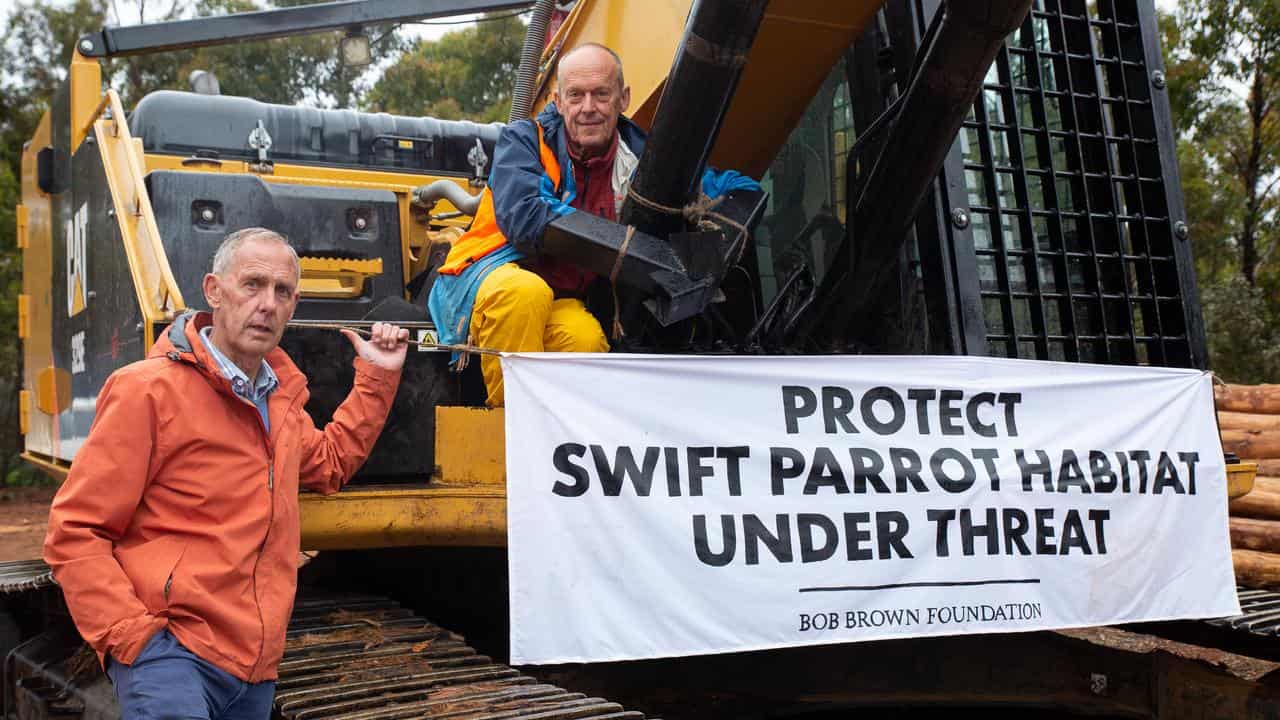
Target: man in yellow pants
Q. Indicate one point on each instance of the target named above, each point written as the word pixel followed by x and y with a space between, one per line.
pixel 495 289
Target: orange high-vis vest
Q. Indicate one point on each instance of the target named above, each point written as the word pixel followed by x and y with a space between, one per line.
pixel 484 236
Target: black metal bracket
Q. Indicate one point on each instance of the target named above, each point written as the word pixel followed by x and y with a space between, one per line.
pixel 679 276
pixel 649 265
pixel 266 24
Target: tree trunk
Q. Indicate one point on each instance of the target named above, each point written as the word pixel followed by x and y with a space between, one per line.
pixel 1252 175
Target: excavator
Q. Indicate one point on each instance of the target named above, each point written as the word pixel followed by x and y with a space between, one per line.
pixel 972 177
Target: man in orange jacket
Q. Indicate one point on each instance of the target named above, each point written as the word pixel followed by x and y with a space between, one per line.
pixel 175 537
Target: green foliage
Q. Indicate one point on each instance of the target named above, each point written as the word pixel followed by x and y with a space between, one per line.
pixel 303 69
pixel 465 74
pixel 37 45
pixel 1223 67
pixel 23 475
pixel 1187 75
pixel 1211 213
pixel 1244 331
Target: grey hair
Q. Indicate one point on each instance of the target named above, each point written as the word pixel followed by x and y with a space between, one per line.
pixel 617 60
pixel 226 253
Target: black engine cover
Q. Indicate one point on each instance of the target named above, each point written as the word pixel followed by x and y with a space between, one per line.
pixel 319 221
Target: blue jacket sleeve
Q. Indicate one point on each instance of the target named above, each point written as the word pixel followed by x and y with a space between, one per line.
pixel 524 200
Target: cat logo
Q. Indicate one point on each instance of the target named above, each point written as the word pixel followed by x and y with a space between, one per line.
pixel 77 265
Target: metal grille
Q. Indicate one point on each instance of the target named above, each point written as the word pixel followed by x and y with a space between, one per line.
pixel 1075 216
pixel 1260 613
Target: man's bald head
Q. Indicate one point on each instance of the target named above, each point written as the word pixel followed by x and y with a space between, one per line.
pixel 589 52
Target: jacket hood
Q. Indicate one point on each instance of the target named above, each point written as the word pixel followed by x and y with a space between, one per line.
pixel 181 341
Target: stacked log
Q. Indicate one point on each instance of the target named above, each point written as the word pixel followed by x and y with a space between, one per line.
pixel 1259 399
pixel 1249 419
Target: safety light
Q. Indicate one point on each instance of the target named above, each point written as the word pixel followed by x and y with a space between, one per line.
pixel 204 82
pixel 355 48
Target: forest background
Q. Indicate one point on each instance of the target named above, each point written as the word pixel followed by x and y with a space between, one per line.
pixel 1222 60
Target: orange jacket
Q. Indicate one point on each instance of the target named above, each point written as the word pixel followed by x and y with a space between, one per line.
pixel 180 511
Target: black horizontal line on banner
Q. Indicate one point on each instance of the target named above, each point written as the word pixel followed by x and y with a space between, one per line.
pixel 941 583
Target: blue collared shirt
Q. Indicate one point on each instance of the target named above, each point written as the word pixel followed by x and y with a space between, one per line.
pixel 256 393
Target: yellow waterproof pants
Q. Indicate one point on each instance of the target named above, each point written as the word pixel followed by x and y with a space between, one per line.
pixel 515 311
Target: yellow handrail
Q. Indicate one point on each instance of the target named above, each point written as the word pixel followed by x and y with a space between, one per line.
pixel 158 293
pixel 103 104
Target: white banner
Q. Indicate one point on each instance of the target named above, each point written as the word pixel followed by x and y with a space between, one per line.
pixel 676 505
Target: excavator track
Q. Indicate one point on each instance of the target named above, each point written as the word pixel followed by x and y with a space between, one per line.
pixel 347 657
pixel 23 575
pixel 359 657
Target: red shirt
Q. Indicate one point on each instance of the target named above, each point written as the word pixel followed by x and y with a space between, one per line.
pixel 593 179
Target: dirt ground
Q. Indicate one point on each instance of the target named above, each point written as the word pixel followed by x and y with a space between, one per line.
pixel 24 516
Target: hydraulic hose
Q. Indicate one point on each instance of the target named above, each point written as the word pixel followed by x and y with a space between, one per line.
pixel 427 195
pixel 535 39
